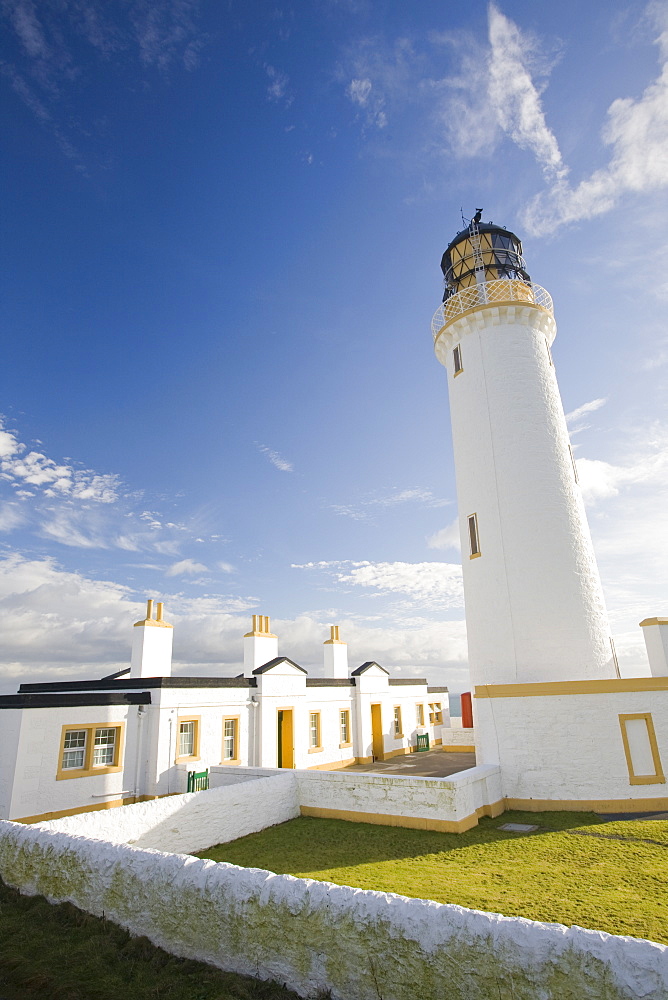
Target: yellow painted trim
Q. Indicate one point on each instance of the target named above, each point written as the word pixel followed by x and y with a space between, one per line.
pixel 364 760
pixel 315 749
pixel 343 746
pixel 157 622
pixel 399 752
pixel 333 766
pixel 236 759
pixel 438 742
pixel 457 748
pixel 474 515
pixel 491 305
pixel 541 689
pixel 385 819
pixel 348 742
pixel 589 805
pixel 495 809
pixel 458 372
pixel 197 719
pixel 88 771
pixel 658 777
pixel 653 621
pixel 61 813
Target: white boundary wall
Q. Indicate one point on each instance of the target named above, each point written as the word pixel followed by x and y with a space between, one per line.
pixel 192 821
pixel 315 936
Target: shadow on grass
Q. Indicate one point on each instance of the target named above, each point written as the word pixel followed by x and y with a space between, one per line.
pixel 57 952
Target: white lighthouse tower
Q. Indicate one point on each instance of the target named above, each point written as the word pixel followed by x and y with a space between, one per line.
pixel 550 709
pixel 534 605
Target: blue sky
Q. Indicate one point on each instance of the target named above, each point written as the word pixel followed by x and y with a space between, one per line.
pixel 222 231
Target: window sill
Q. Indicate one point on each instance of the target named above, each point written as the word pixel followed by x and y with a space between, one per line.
pixel 235 760
pixel 342 746
pixel 186 760
pixel 315 749
pixel 476 555
pixel 76 772
pixel 398 736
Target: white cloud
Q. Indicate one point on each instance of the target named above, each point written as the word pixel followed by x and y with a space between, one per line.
pixel 20 466
pixel 358 91
pixel 276 460
pixel 446 538
pixel 58 625
pixel 581 411
pixel 226 567
pixel 426 585
pixel 514 96
pixel 185 567
pixel 636 131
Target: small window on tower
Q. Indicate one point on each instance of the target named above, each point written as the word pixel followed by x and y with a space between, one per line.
pixel 457 356
pixel 549 352
pixel 474 540
pixel 575 468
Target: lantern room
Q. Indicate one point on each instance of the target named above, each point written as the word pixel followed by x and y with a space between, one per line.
pixel 482 252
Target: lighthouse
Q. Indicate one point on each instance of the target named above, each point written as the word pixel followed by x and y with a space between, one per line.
pixel 534 606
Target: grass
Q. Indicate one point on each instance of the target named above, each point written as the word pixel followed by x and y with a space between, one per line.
pixel 575 869
pixel 59 953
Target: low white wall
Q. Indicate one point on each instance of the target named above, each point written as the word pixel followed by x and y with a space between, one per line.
pixel 193 821
pixel 442 802
pixel 315 936
pixel 457 737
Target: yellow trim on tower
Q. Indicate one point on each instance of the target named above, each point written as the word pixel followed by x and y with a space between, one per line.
pixel 542 689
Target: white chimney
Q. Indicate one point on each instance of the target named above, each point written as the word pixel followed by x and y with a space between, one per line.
pixel 260 645
pixel 655 631
pixel 152 645
pixel 336 654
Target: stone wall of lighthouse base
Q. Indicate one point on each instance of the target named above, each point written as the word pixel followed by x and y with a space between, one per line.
pixel 589 745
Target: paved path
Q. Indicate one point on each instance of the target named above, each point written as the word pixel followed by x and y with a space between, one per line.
pixel 428 764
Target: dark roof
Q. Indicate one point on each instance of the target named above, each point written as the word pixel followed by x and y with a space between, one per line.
pixel 139 682
pixel 432 690
pixel 407 680
pixel 75 700
pixel 274 663
pixel 483 227
pixel 365 666
pixel 321 682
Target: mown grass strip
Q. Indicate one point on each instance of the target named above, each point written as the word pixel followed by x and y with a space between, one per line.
pixel 616 882
pixel 57 952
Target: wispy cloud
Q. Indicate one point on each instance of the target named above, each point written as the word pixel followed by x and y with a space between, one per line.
pixel 278 86
pixel 574 418
pixel 153 33
pixel 367 506
pixel 276 460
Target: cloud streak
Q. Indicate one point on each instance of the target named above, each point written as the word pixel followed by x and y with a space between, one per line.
pixel 276 460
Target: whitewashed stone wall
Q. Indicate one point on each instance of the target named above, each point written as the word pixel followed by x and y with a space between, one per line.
pixel 315 936
pixel 194 821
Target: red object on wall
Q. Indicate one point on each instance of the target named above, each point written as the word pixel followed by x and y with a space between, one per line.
pixel 467 711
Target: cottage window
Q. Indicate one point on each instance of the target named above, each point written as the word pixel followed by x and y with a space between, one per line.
pixel 187 738
pixel 230 739
pixel 90 749
pixel 105 747
pixel 344 723
pixel 397 722
pixel 419 715
pixel 314 730
pixel 74 748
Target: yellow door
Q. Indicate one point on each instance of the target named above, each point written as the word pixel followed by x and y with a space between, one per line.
pixel 286 750
pixel 377 743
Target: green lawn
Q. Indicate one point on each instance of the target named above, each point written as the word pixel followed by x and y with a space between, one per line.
pixel 575 869
pixel 59 953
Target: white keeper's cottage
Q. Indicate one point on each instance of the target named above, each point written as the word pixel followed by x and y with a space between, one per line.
pixel 77 746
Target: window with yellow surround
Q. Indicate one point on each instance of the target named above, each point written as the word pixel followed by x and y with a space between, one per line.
pixel 90 749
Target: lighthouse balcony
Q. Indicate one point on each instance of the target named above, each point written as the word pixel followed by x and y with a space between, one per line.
pixel 498 292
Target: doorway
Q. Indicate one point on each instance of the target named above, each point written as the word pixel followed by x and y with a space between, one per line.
pixel 377 742
pixel 286 750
